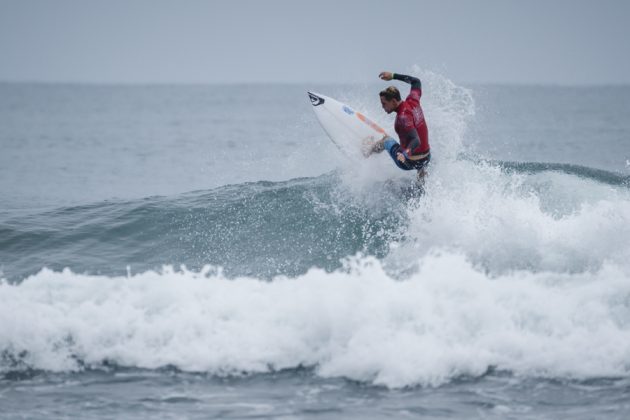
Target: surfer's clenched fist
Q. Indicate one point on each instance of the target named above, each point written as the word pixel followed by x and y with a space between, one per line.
pixel 385 75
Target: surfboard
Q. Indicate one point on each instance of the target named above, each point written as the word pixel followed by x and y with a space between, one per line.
pixel 351 131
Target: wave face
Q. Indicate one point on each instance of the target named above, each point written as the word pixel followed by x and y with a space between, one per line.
pixel 261 229
pixel 493 265
pixel 528 215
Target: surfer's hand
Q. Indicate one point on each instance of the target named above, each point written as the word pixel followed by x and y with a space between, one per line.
pixel 400 157
pixel 387 76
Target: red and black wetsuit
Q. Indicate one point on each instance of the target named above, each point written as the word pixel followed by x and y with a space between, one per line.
pixel 411 128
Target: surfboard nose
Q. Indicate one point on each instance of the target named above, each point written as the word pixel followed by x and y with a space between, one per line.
pixel 315 99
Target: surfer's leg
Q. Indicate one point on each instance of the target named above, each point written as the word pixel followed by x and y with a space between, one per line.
pixel 420 177
pixel 422 171
pixel 389 144
pixel 393 148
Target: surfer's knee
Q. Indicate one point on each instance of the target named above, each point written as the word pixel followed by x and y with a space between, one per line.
pixel 389 143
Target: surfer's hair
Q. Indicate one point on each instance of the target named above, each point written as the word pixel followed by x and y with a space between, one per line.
pixel 390 93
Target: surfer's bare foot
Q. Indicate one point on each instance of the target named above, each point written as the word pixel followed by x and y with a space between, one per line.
pixel 367 146
pixel 370 146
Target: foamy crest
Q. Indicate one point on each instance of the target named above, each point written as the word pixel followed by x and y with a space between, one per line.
pixel 499 219
pixel 509 222
pixel 448 109
pixel 447 319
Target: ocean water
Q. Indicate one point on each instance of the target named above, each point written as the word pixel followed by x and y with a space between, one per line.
pixel 206 252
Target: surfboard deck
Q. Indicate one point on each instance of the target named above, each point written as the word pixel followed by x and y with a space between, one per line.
pixel 351 131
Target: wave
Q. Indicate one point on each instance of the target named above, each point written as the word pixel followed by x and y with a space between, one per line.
pixel 599 175
pixel 262 229
pixel 447 320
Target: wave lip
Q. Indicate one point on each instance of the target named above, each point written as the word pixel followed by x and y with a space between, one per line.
pixel 599 175
pixel 447 320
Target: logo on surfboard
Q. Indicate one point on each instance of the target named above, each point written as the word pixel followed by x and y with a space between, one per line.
pixel 315 100
pixel 348 110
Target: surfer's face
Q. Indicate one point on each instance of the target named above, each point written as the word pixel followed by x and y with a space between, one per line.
pixel 390 105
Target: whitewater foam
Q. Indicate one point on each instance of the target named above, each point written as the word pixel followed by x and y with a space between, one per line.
pixel 500 219
pixel 448 319
pixel 515 221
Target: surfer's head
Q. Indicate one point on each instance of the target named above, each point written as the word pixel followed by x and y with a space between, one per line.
pixel 390 99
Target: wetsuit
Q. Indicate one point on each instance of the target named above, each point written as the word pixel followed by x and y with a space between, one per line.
pixel 411 129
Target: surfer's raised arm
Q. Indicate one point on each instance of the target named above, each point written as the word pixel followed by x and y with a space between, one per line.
pixel 413 81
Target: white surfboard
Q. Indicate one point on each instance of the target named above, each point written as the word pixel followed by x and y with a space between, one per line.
pixel 348 129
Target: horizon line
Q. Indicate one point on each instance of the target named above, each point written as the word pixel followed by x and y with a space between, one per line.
pixel 291 83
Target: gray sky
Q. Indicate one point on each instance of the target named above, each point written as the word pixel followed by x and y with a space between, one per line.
pixel 147 41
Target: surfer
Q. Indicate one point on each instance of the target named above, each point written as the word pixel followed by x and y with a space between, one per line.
pixel 413 151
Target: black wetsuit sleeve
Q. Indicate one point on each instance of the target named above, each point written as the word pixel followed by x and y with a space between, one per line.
pixel 414 140
pixel 413 81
